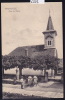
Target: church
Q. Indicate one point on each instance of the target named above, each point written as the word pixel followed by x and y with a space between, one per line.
pixel 39 50
pixel 47 49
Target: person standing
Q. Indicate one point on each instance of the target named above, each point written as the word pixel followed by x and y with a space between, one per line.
pixel 22 82
pixel 30 81
pixel 14 81
pixel 35 80
pixel 17 73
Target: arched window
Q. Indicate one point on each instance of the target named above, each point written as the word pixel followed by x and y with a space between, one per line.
pixel 49 42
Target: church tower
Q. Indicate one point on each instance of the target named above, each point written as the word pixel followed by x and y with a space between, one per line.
pixel 49 35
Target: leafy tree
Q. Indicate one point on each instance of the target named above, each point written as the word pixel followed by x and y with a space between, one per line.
pixel 52 63
pixel 45 62
pixel 38 63
pixel 13 61
pixel 5 63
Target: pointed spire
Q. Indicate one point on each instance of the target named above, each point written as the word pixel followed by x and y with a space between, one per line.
pixel 50 24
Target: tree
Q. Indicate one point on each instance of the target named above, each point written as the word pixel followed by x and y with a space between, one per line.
pixel 45 62
pixel 22 62
pixel 52 63
pixel 38 63
pixel 13 61
pixel 6 62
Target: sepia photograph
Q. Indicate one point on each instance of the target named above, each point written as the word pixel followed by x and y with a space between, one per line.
pixel 32 50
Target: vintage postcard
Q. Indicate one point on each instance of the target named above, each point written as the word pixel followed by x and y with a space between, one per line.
pixel 32 50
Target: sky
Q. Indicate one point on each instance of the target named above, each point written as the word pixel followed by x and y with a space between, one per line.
pixel 23 23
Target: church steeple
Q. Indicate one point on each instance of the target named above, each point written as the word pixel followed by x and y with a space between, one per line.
pixel 49 34
pixel 50 24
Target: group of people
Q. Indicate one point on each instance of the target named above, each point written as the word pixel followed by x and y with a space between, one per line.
pixel 30 81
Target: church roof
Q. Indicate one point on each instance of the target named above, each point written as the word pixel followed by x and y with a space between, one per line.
pixel 21 50
pixel 50 24
pixel 45 52
pixel 33 51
